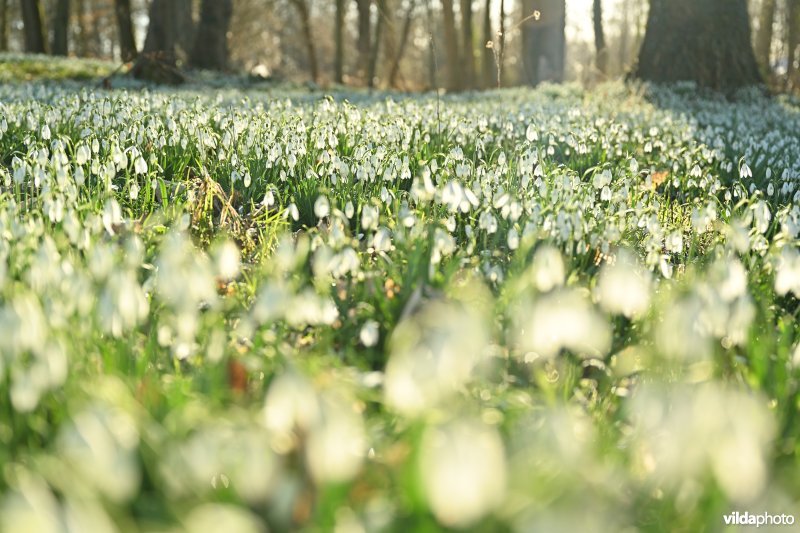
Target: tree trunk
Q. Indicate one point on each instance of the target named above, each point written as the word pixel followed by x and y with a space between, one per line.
pixel 488 53
pixel 601 51
pixel 171 30
pixel 127 41
pixel 372 71
pixel 60 28
pixel 468 44
pixel 211 44
pixel 158 60
pixel 624 36
pixel 83 29
pixel 432 66
pixel 387 10
pixel 763 44
pixel 186 35
pixel 338 62
pixel 3 25
pixel 793 42
pixel 544 42
pixel 364 38
pixel 401 48
pixel 308 36
pixel 32 26
pixel 705 41
pixel 451 46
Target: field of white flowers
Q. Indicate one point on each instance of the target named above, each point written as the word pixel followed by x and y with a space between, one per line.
pixel 549 310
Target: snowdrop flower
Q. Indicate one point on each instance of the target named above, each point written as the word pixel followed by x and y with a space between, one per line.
pixel 463 470
pixel 561 320
pixel 624 287
pixel 745 171
pixel 674 242
pixel 761 216
pixel 370 333
pixel 787 276
pixel 112 216
pixel 548 270
pixel 322 207
pixel 140 166
pixel 228 260
pixel 382 240
pixel 369 217
pixel 431 356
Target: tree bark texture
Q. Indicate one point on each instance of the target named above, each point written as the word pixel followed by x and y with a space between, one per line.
pixel 364 37
pixel 601 51
pixel 60 19
pixel 308 36
pixel 544 41
pixel 338 61
pixel 211 43
pixel 451 46
pixel 127 40
pixel 33 31
pixel 467 44
pixel 705 41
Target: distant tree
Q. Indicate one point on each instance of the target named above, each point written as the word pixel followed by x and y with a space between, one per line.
pixel 467 44
pixel 544 41
pixel 3 25
pixel 304 13
pixel 763 41
pixel 338 28
pixel 82 28
pixel 171 29
pixel 60 46
pixel 127 41
pixel 601 50
pixel 793 43
pixel 488 65
pixel 624 34
pixel 211 44
pixel 400 50
pixel 33 31
pixel 364 36
pixel 706 41
pixel 451 46
pixel 372 67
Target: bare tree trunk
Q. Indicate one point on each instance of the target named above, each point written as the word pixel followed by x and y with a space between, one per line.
pixel 401 49
pixel 60 27
pixel 127 41
pixel 432 67
pixel 624 36
pixel 82 30
pixel 706 41
pixel 488 54
pixel 387 10
pixel 338 63
pixel 183 26
pixel 364 38
pixel 211 43
pixel 32 25
pixel 3 25
pixel 793 42
pixel 372 71
pixel 601 51
pixel 763 44
pixel 451 46
pixel 158 60
pixel 544 41
pixel 468 44
pixel 502 44
pixel 308 35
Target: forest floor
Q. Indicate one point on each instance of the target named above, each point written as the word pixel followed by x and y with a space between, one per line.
pixel 239 308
